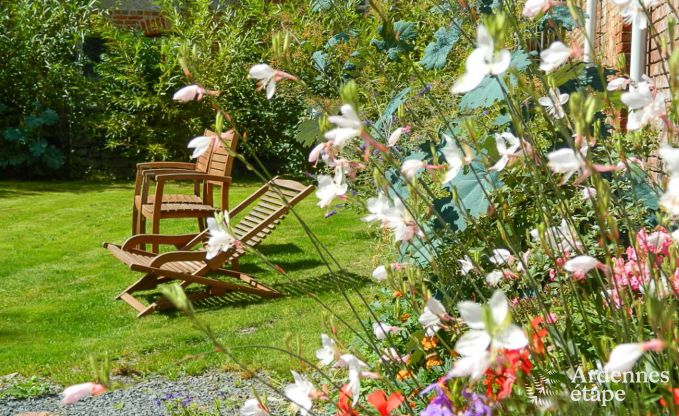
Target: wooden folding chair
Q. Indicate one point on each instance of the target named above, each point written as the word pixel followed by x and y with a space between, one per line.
pixel 213 168
pixel 263 210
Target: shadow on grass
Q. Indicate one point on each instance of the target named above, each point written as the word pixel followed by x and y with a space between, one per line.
pixel 319 284
pixel 17 189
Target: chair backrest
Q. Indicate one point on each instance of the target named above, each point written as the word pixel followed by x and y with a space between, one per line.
pixel 264 209
pixel 219 162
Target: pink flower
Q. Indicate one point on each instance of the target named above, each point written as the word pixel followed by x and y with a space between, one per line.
pixel 78 392
pixel 551 318
pixel 189 93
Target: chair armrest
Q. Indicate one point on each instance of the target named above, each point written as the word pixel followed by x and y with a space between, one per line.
pixel 166 165
pixel 192 176
pixel 141 239
pixel 171 256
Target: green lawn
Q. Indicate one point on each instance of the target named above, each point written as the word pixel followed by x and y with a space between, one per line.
pixel 57 287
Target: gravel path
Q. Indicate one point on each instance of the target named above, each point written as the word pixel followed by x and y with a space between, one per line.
pixel 150 397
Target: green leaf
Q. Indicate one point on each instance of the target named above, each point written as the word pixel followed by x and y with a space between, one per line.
pixel 489 91
pixel 470 191
pixel 320 5
pixel 436 53
pixel 320 60
pixel 391 108
pixel 308 131
pixel 643 190
pixel 337 39
pixel 561 16
pixel 395 39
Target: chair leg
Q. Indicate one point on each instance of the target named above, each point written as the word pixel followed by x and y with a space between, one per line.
pixel 135 220
pixel 155 230
pixel 235 265
pixel 142 229
pixel 201 223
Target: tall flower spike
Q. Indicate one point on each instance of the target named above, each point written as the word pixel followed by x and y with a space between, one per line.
pixel 484 60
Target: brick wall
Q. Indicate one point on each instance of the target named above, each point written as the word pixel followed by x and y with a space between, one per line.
pixel 137 14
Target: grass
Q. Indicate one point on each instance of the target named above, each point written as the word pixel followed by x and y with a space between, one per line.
pixel 57 288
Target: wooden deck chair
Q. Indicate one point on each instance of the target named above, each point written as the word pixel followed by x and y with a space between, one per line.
pixel 263 210
pixel 210 170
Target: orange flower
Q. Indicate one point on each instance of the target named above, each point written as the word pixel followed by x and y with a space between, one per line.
pixel 403 374
pixel 398 294
pixel 433 360
pixel 429 343
pixel 404 317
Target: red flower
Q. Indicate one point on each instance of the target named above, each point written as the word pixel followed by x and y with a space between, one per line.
pixel 344 403
pixel 536 344
pixel 675 394
pixel 500 380
pixel 383 405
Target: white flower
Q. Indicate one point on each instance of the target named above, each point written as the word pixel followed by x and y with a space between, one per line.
pixel 355 367
pixel 501 256
pixel 509 147
pixel 645 106
pixel 554 102
pixel 348 126
pixel 329 188
pixel 566 161
pixel 533 8
pixel 200 145
pixel 189 93
pixel 454 159
pixel 252 407
pixel 398 219
pixel 484 60
pixel 381 330
pixel 670 199
pixel 267 78
pixel 221 238
pixel 617 84
pixel 554 56
pixel 561 238
pixel 670 157
pixel 633 12
pixel 432 315
pixel 473 345
pixel 588 193
pixel 494 277
pixel 315 153
pixel 502 334
pixel 380 273
pixel 623 357
pixel 299 393
pixel 78 392
pixel 377 208
pixel 675 235
pixel 326 354
pixel 581 265
pixel 466 265
pixel 473 366
pixel 395 135
pixel 410 167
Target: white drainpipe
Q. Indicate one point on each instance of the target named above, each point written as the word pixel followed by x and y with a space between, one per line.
pixel 638 59
pixel 590 31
